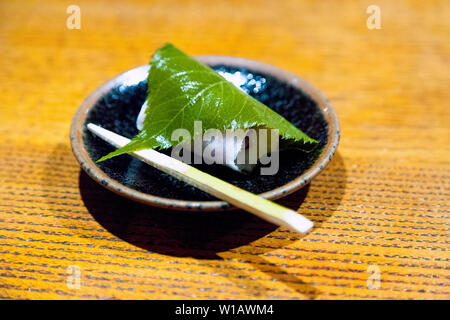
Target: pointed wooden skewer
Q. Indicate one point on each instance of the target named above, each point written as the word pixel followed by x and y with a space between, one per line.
pixel 250 202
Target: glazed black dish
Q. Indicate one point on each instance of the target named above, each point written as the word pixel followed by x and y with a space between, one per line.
pixel 116 108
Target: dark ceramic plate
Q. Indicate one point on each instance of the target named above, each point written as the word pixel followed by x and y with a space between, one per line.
pixel 116 104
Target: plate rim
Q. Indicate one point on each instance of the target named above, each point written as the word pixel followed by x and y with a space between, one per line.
pixel 81 154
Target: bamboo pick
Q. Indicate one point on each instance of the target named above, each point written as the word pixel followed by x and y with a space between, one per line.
pixel 250 202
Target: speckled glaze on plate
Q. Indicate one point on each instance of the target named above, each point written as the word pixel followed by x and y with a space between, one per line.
pixel 116 104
